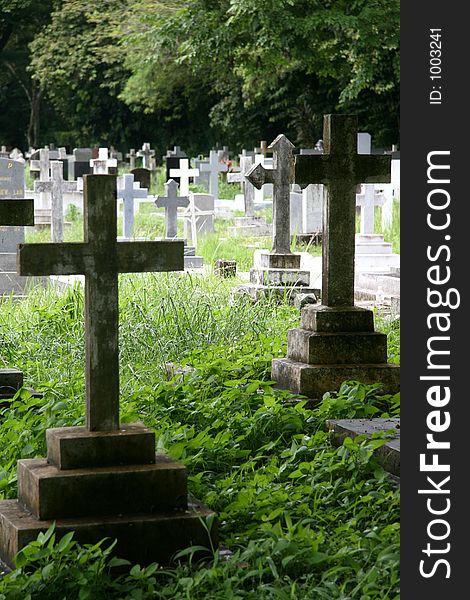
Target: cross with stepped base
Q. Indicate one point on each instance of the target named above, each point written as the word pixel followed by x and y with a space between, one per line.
pixel 171 201
pixel 100 258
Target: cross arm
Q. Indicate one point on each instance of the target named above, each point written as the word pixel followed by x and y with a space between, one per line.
pixel 373 168
pixel 43 186
pixel 54 259
pixel 138 257
pixel 310 168
pixel 258 176
pixel 16 212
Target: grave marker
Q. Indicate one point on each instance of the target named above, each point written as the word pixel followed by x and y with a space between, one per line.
pixel 214 167
pixel 128 190
pixel 184 173
pixel 171 201
pixel 103 164
pixel 147 154
pixel 131 155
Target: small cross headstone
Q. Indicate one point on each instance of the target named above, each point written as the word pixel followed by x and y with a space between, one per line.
pixel 172 161
pixel 146 153
pixel 171 201
pixel 41 167
pixel 184 172
pixel 100 258
pixel 57 187
pixel 142 176
pixel 341 169
pixel 246 162
pixel 128 190
pixel 367 200
pixel 131 155
pixel 3 152
pixel 102 164
pixel 281 176
pixel 214 167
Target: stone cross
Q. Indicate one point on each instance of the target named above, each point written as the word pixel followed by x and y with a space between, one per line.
pixel 246 162
pixel 281 176
pixel 341 169
pixel 147 154
pixel 368 199
pixel 184 173
pixel 131 155
pixel 127 190
pixel 56 187
pixel 41 165
pixel 171 201
pixel 100 258
pixel 214 167
pixel 102 163
pixel 3 152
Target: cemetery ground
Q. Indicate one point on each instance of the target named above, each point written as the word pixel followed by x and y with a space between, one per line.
pixel 300 518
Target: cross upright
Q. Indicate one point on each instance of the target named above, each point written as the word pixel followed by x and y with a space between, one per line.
pixel 281 176
pixel 246 162
pixel 341 169
pixel 131 155
pixel 128 190
pixel 184 173
pixel 214 167
pixel 100 258
pixel 41 165
pixel 171 201
pixel 57 187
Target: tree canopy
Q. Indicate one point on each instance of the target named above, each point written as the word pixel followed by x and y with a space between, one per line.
pixel 201 72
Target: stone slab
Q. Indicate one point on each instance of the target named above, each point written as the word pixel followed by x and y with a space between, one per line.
pixel 250 230
pixel 50 493
pixel 336 348
pixel 388 454
pixel 193 262
pixel 10 380
pixel 337 319
pixel 8 261
pixel 279 293
pixel 313 381
pixel 141 539
pixel 281 277
pixel 79 448
pixel 265 260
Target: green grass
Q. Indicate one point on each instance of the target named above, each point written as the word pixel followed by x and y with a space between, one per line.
pixel 302 518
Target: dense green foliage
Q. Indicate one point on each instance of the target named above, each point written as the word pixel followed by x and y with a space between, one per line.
pixel 302 518
pixel 197 72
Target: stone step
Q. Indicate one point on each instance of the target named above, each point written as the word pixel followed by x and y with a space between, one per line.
pixel 374 248
pixel 313 381
pixel 371 281
pixel 193 262
pixel 250 231
pixel 364 261
pixel 141 539
pixel 388 455
pixel 337 319
pixel 336 348
pixel 50 493
pixel 369 237
pixel 280 277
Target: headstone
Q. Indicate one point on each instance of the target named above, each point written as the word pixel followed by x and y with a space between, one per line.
pixel 146 153
pixel 4 153
pixel 128 190
pixel 203 178
pixel 214 167
pixel 184 173
pixel 312 208
pixel 336 340
pixel 199 216
pixel 171 201
pixel 102 480
pixel 79 165
pixel 295 213
pixel 57 187
pixel 172 161
pixel 42 166
pixel 142 176
pixel 367 200
pixel 248 190
pixel 103 165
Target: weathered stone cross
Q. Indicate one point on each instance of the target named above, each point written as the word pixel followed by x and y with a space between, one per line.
pixel 100 258
pixel 146 153
pixel 246 162
pixel 127 190
pixel 367 200
pixel 57 187
pixel 103 162
pixel 281 176
pixel 171 201
pixel 184 173
pixel 131 155
pixel 340 168
pixel 213 167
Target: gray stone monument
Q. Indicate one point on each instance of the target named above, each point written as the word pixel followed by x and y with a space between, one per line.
pixel 214 167
pixel 103 164
pixel 103 479
pixel 79 163
pixel 147 154
pixel 336 340
pixel 128 190
pixel 56 187
pixel 184 173
pixel 131 155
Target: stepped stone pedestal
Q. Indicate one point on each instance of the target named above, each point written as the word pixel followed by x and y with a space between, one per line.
pixel 332 345
pixel 104 484
pixel 250 227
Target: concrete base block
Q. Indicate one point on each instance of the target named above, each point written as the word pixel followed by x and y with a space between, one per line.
pixel 388 455
pixel 50 493
pixel 79 448
pixel 313 381
pixel 193 262
pixel 141 539
pixel 329 319
pixel 336 348
pixel 279 293
pixel 267 260
pixel 281 277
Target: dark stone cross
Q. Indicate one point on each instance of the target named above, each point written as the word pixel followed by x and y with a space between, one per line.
pixel 281 176
pixel 100 258
pixel 341 169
